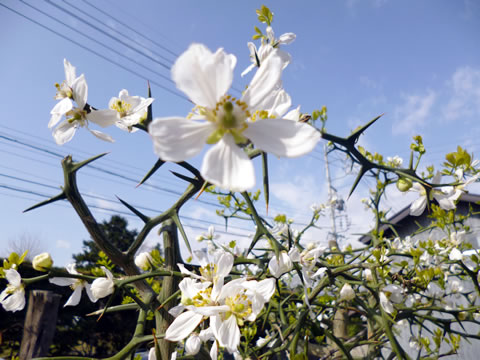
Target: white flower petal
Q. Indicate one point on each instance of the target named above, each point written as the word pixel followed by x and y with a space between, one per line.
pixel 62 281
pixel 192 345
pixel 203 76
pixel 70 73
pixel 224 264
pixel 418 206
pixel 103 118
pixel 227 166
pixel 178 139
pixel 183 326
pixel 385 303
pixel 74 299
pixel 102 136
pixel 266 79
pixel 283 137
pixel 59 110
pixel 229 334
pixel 455 255
pixel 214 351
pixel 293 114
pixel 13 277
pixel 88 290
pixel 64 132
pixel 13 302
pixel 80 91
pixel 286 38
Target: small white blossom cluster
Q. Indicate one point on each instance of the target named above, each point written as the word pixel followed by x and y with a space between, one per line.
pixel 219 308
pixel 124 111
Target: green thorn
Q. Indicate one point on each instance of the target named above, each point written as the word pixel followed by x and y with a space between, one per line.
pixel 144 218
pixel 60 196
pixel 79 165
pixel 362 172
pixel 256 237
pixel 155 167
pixel 356 134
pixel 186 178
pixel 177 222
pixel 265 179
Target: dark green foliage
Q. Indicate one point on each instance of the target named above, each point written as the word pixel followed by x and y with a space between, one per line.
pixel 116 232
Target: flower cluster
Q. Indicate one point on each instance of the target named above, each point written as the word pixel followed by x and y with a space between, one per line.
pixel 124 111
pixel 226 306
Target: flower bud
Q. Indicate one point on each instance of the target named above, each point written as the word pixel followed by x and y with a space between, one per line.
pixel 42 262
pixel 144 260
pixel 404 184
pixel 103 286
pixel 347 293
pixel 192 345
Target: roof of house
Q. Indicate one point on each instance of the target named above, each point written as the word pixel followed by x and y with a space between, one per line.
pixel 405 212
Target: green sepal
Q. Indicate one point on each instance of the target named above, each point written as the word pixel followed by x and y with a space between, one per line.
pixel 215 136
pixel 238 137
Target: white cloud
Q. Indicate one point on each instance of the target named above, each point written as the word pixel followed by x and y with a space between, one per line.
pixel 413 113
pixel 63 244
pixel 465 98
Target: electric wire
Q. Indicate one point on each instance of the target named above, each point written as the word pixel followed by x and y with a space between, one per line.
pixel 96 53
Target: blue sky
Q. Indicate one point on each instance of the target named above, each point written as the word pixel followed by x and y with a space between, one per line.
pixel 417 62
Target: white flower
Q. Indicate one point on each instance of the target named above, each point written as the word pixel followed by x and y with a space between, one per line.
pixel 395 161
pixel 144 260
pixel 209 235
pixel 257 57
pixel 152 355
pixel 445 196
pixel 194 341
pixel 347 293
pixel 206 77
pixel 72 87
pixel 124 111
pixel 307 259
pixel 367 274
pixel 227 307
pixel 279 266
pixel 455 255
pixel 76 89
pixel 42 262
pixel 103 286
pixel 13 297
pixel 390 293
pixel 387 306
pixel 77 286
pixel 214 270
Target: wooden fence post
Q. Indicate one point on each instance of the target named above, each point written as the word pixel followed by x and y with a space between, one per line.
pixel 40 324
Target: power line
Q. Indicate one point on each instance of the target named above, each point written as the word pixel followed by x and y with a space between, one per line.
pixel 129 27
pixel 95 52
pixel 117 211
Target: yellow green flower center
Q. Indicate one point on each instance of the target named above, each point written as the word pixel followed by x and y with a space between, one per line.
pixel 240 306
pixel 63 91
pixel 77 115
pixel 121 107
pixel 208 271
pixel 229 116
pixel 203 298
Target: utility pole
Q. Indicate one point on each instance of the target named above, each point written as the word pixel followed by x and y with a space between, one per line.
pixel 333 242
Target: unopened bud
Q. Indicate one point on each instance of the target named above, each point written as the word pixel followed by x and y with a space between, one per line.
pixel 404 184
pixel 144 260
pixel 42 262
